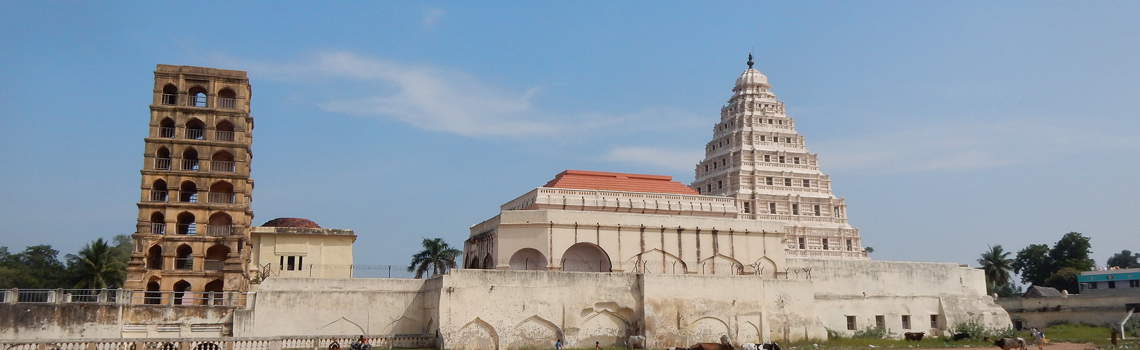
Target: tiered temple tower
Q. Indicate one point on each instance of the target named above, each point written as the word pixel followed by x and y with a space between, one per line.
pixel 757 157
pixel 194 212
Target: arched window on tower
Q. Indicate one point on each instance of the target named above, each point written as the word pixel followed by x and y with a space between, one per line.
pixel 158 191
pixel 157 223
pixel 221 192
pixel 185 258
pixel 188 193
pixel 166 128
pixel 195 129
pixel 169 95
pixel 222 161
pixel 220 225
pixel 182 293
pixel 162 159
pixel 227 99
pixel 216 257
pixel 213 293
pixel 197 96
pixel 153 296
pixel 224 131
pixel 186 225
pixel 154 257
pixel 190 160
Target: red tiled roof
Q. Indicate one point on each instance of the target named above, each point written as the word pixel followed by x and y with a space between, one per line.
pixel 597 180
pixel 291 222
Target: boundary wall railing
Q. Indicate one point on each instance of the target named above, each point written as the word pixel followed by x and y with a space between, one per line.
pixel 379 341
pixel 123 297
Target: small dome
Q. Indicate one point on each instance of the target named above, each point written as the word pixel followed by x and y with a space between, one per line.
pixel 291 222
pixel 751 76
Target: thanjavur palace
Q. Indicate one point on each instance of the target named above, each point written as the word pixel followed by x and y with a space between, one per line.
pixel 756 249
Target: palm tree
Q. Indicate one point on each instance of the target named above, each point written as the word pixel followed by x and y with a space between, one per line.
pixel 997 266
pixel 437 257
pixel 97 266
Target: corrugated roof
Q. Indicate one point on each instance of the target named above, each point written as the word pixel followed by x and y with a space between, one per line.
pixel 597 180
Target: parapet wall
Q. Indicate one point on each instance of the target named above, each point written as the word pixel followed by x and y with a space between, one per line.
pixel 321 306
pixel 1079 308
pixel 909 296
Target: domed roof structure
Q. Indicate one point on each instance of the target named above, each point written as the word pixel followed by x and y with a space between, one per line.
pixel 751 76
pixel 291 222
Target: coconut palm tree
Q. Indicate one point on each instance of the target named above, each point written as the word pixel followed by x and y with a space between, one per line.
pixel 997 266
pixel 436 257
pixel 97 266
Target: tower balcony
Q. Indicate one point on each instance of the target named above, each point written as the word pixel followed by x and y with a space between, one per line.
pixel 166 132
pixel 222 166
pixel 195 134
pixel 158 196
pixel 227 103
pixel 190 164
pixel 183 263
pixel 162 163
pixel 158 228
pixel 219 230
pixel 169 99
pixel 213 265
pixel 223 135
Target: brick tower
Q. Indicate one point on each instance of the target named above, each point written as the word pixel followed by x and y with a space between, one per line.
pixel 192 237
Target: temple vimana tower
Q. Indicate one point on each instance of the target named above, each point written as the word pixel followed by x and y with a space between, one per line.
pixel 194 216
pixel 757 157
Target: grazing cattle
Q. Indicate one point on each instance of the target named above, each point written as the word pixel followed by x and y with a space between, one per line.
pixel 961 336
pixel 711 346
pixel 635 342
pixel 749 346
pixel 771 346
pixel 915 336
pixel 1010 343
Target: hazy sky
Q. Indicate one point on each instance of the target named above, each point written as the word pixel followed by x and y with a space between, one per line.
pixel 947 126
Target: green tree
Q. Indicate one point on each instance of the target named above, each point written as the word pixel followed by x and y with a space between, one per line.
pixel 868 250
pixel 1033 264
pixel 436 257
pixel 1125 259
pixel 1066 279
pixel 1073 251
pixel 997 265
pixel 37 267
pixel 97 266
pixel 122 247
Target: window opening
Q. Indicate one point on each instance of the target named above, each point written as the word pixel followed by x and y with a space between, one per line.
pixel 795 209
pixel 787 181
pixel 850 323
pixel 803 243
pixel 772 208
pixel 906 321
pixel 881 321
pixel 815 208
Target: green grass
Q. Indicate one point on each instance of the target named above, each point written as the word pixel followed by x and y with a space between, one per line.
pixel 1063 333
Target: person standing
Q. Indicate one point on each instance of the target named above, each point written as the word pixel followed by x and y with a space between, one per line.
pixel 597 346
pixel 558 345
pixel 1039 338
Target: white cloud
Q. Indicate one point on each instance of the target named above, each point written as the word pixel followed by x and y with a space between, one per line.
pixel 658 157
pixel 431 16
pixel 963 145
pixel 451 101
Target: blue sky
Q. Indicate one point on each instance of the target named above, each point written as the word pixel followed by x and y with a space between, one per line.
pixel 947 126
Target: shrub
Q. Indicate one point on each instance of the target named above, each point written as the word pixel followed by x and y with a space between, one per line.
pixel 871 333
pixel 978 331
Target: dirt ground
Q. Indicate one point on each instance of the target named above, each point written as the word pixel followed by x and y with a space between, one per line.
pixel 1051 346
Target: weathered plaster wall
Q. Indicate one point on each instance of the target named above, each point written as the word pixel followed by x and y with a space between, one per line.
pixel 31 321
pixel 866 289
pixel 317 306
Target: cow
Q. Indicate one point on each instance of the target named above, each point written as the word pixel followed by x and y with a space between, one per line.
pixel 915 336
pixel 960 336
pixel 711 346
pixel 1010 343
pixel 635 342
pixel 762 346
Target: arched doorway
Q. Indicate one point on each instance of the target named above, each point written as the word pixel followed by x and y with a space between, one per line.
pixel 586 257
pixel 528 259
